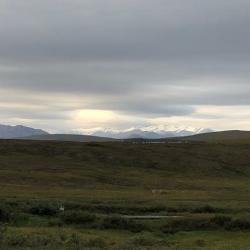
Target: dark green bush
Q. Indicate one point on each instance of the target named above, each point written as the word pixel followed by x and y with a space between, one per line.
pixel 190 224
pixel 5 213
pixel 206 209
pixel 221 221
pixel 238 224
pixel 116 222
pixel 176 226
pixel 43 209
pixel 93 144
pixel 124 209
pixel 217 222
pixel 77 217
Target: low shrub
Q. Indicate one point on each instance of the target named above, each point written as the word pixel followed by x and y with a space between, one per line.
pixel 121 209
pixel 74 242
pixel 94 144
pixel 221 221
pixel 116 222
pixel 18 240
pixel 192 224
pixel 43 209
pixel 238 224
pixel 77 217
pixel 96 243
pixel 5 214
pixel 187 225
pixel 26 240
pixel 206 209
pixel 55 222
pixel 3 230
pixel 217 222
pixel 143 241
pixel 200 243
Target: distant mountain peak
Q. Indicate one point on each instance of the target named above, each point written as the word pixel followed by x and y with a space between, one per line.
pixel 148 132
pixel 11 132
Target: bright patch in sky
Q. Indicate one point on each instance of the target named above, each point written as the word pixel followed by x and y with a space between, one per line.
pixel 91 117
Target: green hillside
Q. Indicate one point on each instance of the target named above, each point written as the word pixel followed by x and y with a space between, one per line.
pixel 230 135
pixel 67 137
pixel 113 166
pixel 103 185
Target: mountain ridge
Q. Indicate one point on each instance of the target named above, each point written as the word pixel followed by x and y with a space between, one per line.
pixel 11 132
pixel 102 135
pixel 152 132
pixel 67 137
pixel 219 136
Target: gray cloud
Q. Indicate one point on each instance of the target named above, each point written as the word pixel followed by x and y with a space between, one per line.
pixel 33 113
pixel 143 57
pixel 92 30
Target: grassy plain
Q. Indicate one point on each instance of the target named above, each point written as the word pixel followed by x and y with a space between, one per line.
pixel 204 188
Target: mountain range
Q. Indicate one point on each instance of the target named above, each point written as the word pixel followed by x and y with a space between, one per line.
pixel 102 135
pixel 11 132
pixel 150 132
pixel 67 137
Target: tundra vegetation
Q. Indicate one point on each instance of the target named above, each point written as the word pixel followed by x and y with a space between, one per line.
pixel 121 195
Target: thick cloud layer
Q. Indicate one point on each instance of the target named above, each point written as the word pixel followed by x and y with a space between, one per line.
pixel 139 59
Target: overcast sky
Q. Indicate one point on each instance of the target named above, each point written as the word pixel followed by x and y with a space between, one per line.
pixel 78 64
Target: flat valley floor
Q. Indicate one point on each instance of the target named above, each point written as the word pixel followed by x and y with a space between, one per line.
pixel 120 195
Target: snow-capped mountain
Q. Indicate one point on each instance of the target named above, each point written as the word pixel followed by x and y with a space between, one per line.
pixel 149 132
